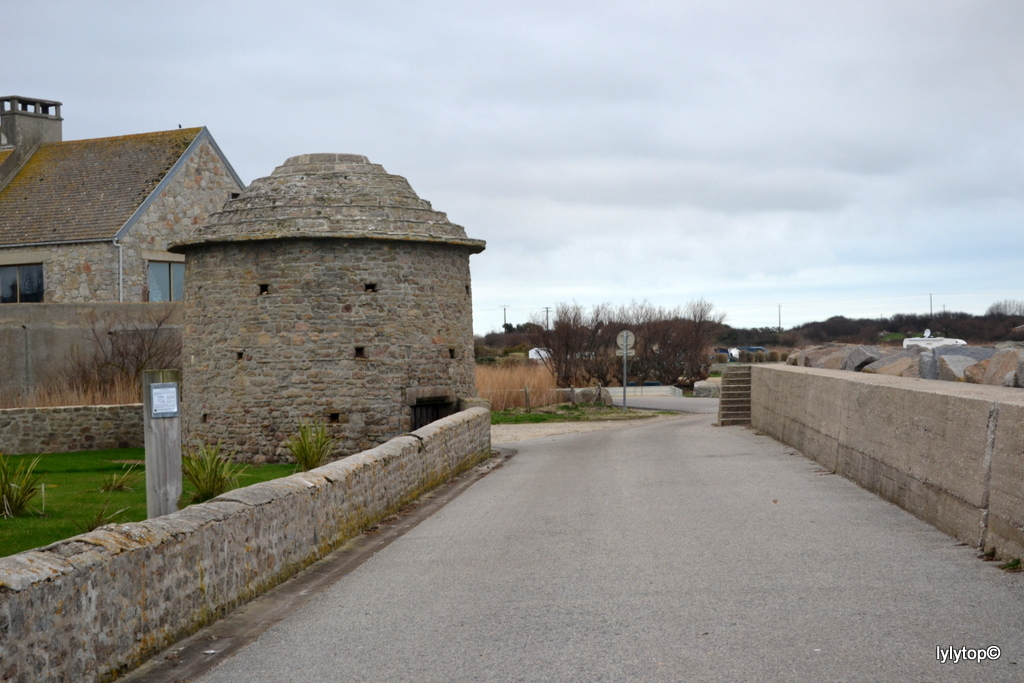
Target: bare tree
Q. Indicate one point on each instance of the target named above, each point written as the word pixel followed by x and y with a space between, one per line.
pixel 673 345
pixel 704 325
pixel 577 343
pixel 1006 307
pixel 121 346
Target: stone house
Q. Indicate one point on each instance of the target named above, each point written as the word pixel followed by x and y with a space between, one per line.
pixel 89 221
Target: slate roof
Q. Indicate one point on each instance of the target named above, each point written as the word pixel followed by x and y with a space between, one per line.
pixel 339 196
pixel 86 190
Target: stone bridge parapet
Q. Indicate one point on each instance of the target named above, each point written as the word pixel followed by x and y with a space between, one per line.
pixel 96 605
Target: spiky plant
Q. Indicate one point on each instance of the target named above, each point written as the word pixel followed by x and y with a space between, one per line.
pixel 18 486
pixel 120 481
pixel 210 472
pixel 311 446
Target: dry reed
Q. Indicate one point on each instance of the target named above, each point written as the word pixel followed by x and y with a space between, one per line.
pixel 60 392
pixel 503 385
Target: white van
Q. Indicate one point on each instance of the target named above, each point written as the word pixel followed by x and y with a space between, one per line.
pixel 932 342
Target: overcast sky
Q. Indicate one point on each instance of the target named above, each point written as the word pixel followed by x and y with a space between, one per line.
pixel 837 158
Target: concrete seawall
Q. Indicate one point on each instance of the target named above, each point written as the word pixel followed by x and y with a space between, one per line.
pixel 38 339
pixel 950 453
pixel 96 605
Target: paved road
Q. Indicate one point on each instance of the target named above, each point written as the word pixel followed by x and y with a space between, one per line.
pixel 659 551
pixel 679 404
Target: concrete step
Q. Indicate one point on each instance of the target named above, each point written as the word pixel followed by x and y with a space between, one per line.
pixel 734 403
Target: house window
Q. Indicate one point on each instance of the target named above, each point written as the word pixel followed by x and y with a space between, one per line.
pixel 166 281
pixel 21 284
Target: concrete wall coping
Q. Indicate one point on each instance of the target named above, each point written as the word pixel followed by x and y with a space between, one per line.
pixel 962 389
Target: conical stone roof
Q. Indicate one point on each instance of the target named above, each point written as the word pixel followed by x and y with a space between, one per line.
pixel 329 196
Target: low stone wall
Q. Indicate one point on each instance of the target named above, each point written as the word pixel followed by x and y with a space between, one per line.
pixel 72 428
pixel 99 604
pixel 950 453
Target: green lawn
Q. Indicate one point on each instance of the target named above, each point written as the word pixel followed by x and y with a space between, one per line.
pixel 71 500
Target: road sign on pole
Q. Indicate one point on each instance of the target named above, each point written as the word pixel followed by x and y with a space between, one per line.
pixel 625 340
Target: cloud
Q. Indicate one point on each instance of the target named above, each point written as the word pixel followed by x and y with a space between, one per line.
pixel 750 153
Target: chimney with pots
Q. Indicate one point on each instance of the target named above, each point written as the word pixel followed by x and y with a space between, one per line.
pixel 25 123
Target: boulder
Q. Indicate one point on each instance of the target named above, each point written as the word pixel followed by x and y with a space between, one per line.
pixel 904 358
pixel 976 373
pixel 812 357
pixel 860 357
pixel 898 367
pixel 1003 369
pixel 831 361
pixel 930 357
pixel 951 368
pixel 707 389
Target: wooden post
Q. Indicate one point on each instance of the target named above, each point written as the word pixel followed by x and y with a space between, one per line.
pixel 160 403
pixel 526 390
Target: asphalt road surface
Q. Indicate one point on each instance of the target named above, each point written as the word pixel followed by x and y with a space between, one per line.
pixel 668 550
pixel 678 404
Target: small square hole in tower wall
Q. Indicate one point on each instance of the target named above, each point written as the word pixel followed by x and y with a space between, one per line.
pixel 451 353
pixel 360 352
pixel 334 417
pixel 204 418
pixel 239 355
pixel 264 289
pixel 370 287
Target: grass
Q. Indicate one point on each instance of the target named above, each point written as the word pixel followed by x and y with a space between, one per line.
pixel 71 500
pixel 503 385
pixel 566 412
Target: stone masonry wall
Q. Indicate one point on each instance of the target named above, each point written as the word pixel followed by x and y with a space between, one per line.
pixel 72 273
pixel 199 188
pixel 99 604
pixel 69 429
pixel 87 273
pixel 950 453
pixel 346 331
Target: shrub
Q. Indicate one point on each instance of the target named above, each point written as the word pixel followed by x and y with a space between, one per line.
pixel 721 358
pixel 17 487
pixel 311 446
pixel 209 472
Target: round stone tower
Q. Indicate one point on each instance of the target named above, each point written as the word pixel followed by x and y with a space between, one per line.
pixel 328 291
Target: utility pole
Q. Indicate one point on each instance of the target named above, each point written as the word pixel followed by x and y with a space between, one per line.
pixel 547 325
pixel 780 318
pixel 504 315
pixel 931 310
